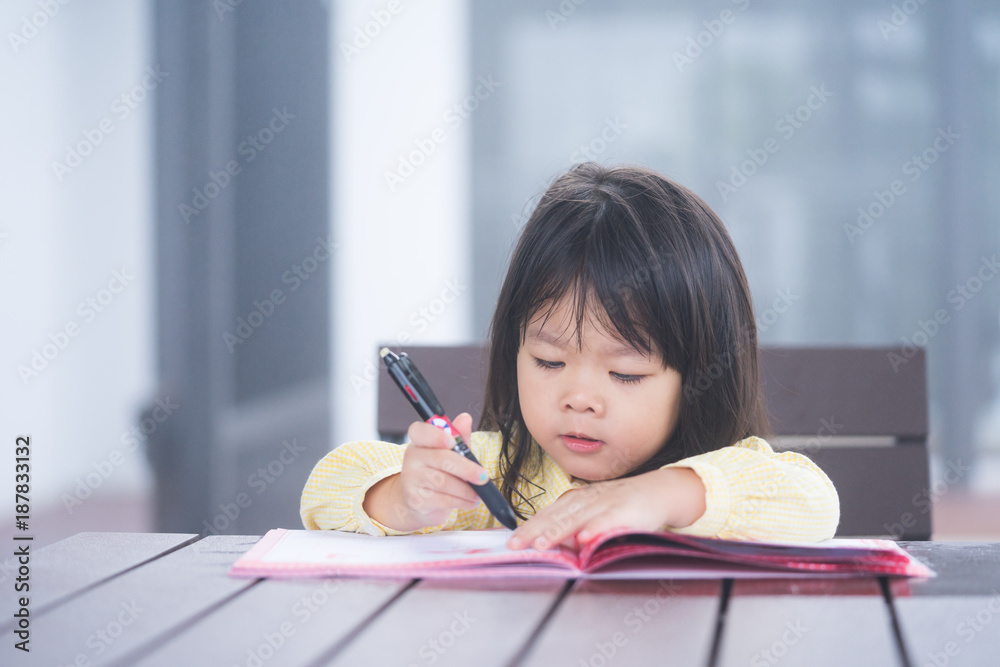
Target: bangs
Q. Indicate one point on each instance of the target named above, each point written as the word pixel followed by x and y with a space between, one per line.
pixel 602 260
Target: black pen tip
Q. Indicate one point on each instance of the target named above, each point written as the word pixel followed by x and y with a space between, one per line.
pixel 508 520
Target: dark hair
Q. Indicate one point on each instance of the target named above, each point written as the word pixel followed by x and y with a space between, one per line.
pixel 665 277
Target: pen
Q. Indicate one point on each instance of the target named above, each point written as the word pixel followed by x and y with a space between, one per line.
pixel 403 371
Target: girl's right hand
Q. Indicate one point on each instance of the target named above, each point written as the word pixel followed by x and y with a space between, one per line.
pixel 435 479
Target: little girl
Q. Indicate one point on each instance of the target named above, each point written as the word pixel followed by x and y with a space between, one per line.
pixel 623 391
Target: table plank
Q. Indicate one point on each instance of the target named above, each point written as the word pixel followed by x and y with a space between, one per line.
pixel 287 622
pixel 808 622
pixel 454 622
pixel 963 568
pixel 951 630
pixel 122 614
pixel 953 618
pixel 663 622
pixel 75 563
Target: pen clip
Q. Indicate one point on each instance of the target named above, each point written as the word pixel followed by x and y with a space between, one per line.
pixel 420 384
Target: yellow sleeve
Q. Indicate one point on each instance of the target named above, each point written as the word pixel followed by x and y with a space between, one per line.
pixel 335 490
pixel 753 493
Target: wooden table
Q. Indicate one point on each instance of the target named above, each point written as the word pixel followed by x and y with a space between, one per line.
pixel 165 599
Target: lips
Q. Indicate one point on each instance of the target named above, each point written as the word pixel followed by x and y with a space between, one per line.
pixel 580 443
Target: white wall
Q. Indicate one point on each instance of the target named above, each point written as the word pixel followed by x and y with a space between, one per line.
pixel 61 241
pixel 402 248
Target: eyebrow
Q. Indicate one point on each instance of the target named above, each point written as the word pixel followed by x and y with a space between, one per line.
pixel 618 348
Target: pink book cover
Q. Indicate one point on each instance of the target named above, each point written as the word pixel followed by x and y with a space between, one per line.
pixel 619 554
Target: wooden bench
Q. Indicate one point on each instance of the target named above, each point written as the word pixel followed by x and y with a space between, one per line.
pixel 862 421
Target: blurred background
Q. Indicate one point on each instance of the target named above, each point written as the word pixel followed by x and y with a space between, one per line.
pixel 214 211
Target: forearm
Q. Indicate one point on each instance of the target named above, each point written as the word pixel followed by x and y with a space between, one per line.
pixel 336 487
pixel 384 503
pixel 752 493
pixel 357 488
pixel 682 495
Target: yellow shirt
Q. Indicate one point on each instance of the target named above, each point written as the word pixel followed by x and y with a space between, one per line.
pixel 751 492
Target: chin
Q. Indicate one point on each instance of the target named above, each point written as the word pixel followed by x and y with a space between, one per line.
pixel 587 474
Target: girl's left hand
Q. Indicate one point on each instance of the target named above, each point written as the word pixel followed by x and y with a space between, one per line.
pixel 664 498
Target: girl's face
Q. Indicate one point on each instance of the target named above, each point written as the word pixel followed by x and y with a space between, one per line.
pixel 599 411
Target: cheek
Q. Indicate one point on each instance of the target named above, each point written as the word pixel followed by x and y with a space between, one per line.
pixel 654 418
pixel 527 391
pixel 523 374
pixel 672 409
pixel 647 430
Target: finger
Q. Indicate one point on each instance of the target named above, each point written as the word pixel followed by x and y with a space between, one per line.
pixel 456 465
pixel 432 498
pixel 601 523
pixel 439 470
pixel 542 534
pixel 440 489
pixel 425 435
pixel 477 474
pixel 553 524
pixel 463 423
pixel 571 543
pixel 427 501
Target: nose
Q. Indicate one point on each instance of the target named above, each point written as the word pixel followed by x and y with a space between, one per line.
pixel 581 395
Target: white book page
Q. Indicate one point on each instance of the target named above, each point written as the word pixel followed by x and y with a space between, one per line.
pixel 328 546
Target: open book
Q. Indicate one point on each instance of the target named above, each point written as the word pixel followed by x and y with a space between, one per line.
pixel 620 554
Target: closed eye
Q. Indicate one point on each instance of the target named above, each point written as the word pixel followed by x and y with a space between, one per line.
pixel 627 379
pixel 621 377
pixel 541 363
